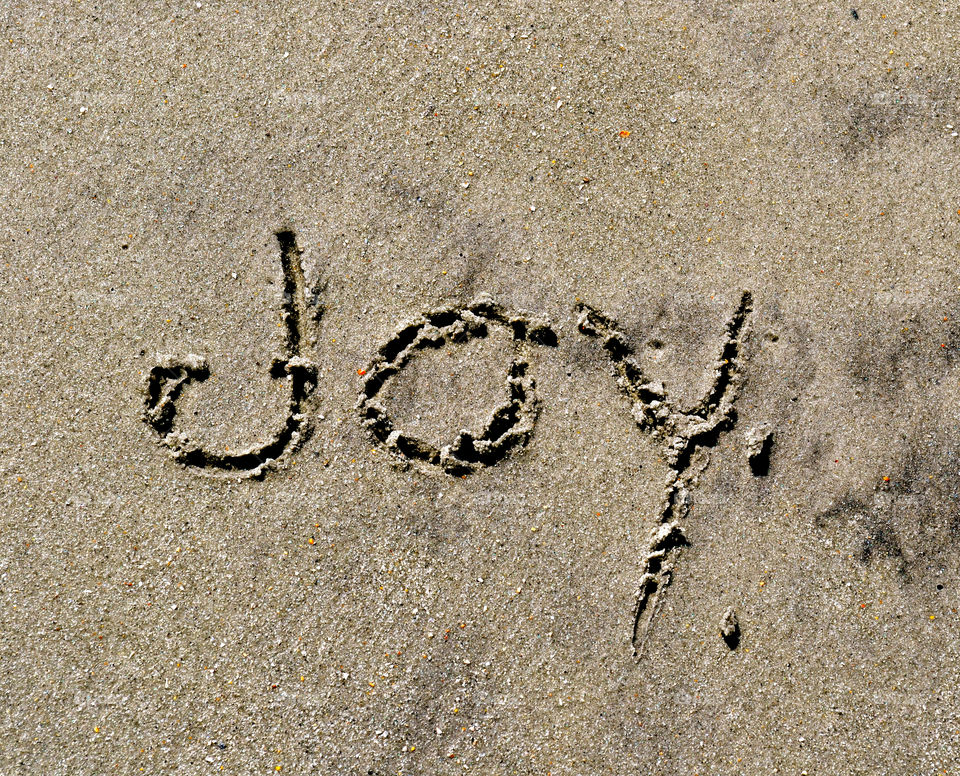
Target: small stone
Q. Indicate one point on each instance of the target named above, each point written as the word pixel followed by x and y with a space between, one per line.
pixel 730 628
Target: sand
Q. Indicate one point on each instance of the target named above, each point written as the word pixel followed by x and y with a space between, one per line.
pixel 353 362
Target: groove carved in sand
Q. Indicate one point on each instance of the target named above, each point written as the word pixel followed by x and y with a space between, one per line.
pixel 509 426
pixel 166 381
pixel 681 433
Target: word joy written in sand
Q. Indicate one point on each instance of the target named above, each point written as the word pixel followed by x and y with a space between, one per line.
pixel 508 427
pixel 680 433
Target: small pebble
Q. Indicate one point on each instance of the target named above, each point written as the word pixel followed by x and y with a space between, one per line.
pixel 730 628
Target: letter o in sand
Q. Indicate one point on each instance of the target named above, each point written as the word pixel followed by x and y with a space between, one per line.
pixel 509 425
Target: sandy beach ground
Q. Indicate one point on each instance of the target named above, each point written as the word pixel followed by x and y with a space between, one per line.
pixel 223 225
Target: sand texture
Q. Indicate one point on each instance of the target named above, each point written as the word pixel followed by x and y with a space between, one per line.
pixel 502 388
